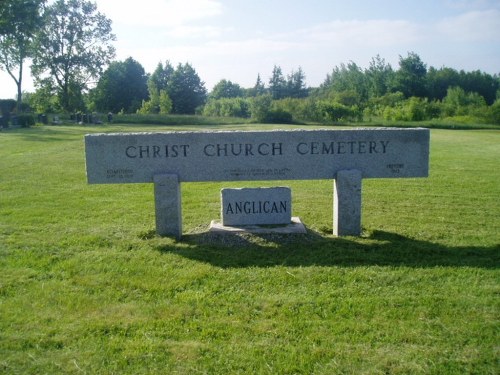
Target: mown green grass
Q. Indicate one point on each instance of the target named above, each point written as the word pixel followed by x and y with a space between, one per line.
pixel 86 286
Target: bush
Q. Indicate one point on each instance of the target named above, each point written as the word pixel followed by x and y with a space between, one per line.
pixel 304 109
pixel 278 116
pixel 413 109
pixel 333 111
pixel 25 120
pixel 227 107
pixel 260 107
pixel 494 112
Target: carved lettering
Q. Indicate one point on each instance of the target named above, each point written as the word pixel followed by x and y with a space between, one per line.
pixel 156 151
pixel 341 147
pixel 256 207
pixel 243 149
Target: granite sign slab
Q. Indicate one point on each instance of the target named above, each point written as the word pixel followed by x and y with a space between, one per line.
pixel 244 156
pixel 169 158
pixel 256 206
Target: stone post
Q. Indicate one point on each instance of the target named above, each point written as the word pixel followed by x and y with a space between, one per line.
pixel 168 205
pixel 347 203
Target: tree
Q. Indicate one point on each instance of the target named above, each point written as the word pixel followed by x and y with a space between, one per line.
pixel 165 103
pixel 379 75
pixel 439 80
pixel 259 88
pixel 482 83
pixel 348 77
pixel 72 47
pixel 158 85
pixel 162 76
pixel 296 84
pixel 186 90
pixel 19 22
pixel 42 100
pixel 226 89
pixel 410 79
pixel 121 87
pixel 277 84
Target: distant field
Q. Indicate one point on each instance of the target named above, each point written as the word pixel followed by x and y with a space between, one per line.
pixel 87 287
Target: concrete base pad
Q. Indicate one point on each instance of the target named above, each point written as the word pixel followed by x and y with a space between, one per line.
pixel 295 226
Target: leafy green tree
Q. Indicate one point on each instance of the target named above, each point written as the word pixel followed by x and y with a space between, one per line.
pixel 348 77
pixel 277 84
pixel 186 90
pixel 379 76
pixel 482 83
pixel 43 100
pixel 161 77
pixel 439 80
pixel 296 84
pixel 158 86
pixel 19 22
pixel 121 87
pixel 165 103
pixel 258 88
pixel 72 47
pixel 410 79
pixel 226 89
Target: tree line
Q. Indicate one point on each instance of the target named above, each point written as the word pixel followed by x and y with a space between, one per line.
pixel 70 44
pixel 412 92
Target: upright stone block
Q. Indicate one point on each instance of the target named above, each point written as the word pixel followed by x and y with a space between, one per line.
pixel 168 205
pixel 347 203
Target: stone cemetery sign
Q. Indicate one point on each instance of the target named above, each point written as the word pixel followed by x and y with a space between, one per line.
pixel 256 206
pixel 169 158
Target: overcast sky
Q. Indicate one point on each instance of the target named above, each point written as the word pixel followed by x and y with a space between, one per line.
pixel 238 39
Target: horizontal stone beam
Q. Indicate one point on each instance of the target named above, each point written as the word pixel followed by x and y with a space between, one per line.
pixel 256 155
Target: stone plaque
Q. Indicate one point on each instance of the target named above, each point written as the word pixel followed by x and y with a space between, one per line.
pixel 264 155
pixel 256 206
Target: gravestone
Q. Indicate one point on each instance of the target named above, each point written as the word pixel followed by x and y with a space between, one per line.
pixel 346 156
pixel 256 206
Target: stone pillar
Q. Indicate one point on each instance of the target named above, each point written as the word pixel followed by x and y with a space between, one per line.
pixel 347 203
pixel 168 205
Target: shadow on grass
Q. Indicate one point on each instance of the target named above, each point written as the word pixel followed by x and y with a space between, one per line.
pixel 312 249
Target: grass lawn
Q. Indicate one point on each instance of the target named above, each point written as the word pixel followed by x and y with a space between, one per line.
pixel 87 287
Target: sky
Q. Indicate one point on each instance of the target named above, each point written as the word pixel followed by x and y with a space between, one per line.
pixel 238 39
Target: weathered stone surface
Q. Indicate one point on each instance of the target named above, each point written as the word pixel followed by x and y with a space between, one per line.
pixel 295 226
pixel 347 203
pixel 168 205
pixel 250 206
pixel 274 155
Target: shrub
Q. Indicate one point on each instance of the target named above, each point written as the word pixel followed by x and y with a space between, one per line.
pixel 25 120
pixel 303 109
pixel 333 111
pixel 279 116
pixel 227 107
pixel 494 112
pixel 260 107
